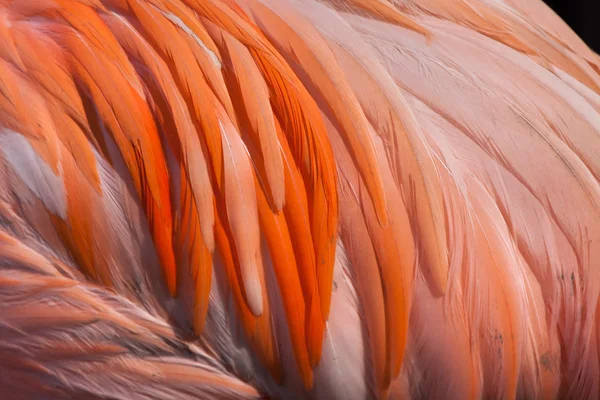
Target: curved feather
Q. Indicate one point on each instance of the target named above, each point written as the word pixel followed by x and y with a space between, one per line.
pixel 242 213
pixel 257 117
pixel 276 234
pixel 257 328
pixel 298 221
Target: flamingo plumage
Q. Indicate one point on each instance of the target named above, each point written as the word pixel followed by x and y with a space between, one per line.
pixel 297 199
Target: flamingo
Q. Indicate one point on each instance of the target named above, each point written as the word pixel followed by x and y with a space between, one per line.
pixel 297 199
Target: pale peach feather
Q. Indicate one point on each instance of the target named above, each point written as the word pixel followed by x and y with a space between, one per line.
pixel 297 199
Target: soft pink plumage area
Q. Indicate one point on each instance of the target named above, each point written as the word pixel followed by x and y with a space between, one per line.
pixel 297 199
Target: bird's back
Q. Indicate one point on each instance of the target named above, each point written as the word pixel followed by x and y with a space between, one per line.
pixel 297 199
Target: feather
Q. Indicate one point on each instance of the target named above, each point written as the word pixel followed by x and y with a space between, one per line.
pixel 354 235
pixel 296 214
pixel 503 24
pixel 34 172
pixel 394 268
pixel 195 255
pixel 38 127
pixel 93 362
pixel 276 234
pixel 386 10
pixel 257 328
pixel 241 203
pixel 258 119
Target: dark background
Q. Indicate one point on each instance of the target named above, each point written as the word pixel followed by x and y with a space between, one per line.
pixel 580 16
